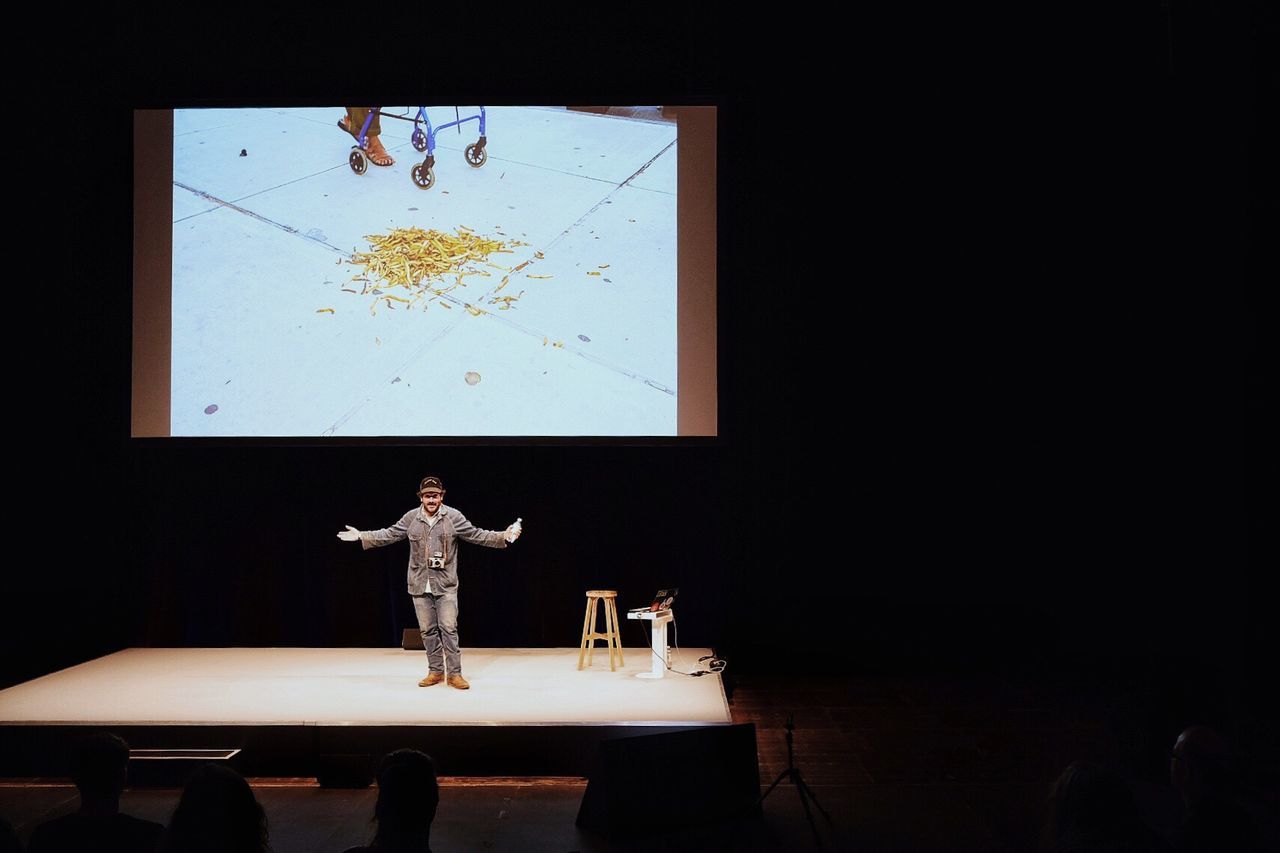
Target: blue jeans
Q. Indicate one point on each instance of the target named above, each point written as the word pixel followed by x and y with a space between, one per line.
pixel 438 621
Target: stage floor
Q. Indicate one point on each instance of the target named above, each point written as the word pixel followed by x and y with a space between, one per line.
pixel 364 687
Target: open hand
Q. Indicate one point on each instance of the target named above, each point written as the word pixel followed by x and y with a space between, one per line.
pixel 349 535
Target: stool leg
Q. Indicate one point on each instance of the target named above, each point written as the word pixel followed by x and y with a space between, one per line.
pixel 617 630
pixel 591 637
pixel 586 624
pixel 613 605
pixel 609 629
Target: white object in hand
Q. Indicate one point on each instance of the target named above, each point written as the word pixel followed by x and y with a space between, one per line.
pixel 349 535
pixel 513 532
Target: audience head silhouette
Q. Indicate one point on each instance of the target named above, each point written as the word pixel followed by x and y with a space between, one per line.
pixel 1202 770
pixel 1091 808
pixel 99 767
pixel 217 812
pixel 408 796
pixel 1200 764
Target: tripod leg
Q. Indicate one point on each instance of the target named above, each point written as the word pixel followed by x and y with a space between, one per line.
pixel 806 791
pixel 804 801
pixel 781 776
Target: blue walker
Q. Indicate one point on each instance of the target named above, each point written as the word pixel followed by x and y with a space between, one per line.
pixel 423 174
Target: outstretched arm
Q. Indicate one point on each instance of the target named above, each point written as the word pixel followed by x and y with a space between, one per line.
pixel 468 532
pixel 377 538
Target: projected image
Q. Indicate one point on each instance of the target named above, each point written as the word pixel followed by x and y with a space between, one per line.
pixel 411 276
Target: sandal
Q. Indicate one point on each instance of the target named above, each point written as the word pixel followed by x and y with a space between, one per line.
pixel 377 154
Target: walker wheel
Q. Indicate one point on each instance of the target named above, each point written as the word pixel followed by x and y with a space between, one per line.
pixel 424 179
pixel 419 139
pixel 358 162
pixel 476 156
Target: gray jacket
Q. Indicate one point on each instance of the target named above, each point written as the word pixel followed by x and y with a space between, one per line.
pixel 425 540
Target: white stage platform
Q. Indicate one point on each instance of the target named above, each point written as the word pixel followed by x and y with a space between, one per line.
pixel 368 687
pixel 298 711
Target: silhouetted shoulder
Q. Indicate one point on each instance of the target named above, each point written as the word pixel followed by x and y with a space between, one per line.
pixel 117 834
pixel 9 842
pixel 1218 825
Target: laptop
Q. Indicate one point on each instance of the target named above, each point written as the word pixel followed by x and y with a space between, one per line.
pixel 662 600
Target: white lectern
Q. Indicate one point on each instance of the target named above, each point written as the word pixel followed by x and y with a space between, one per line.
pixel 659 620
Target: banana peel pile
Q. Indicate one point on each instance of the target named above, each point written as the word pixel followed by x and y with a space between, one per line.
pixel 423 265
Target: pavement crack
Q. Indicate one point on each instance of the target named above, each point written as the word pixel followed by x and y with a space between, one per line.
pixel 652 160
pixel 288 229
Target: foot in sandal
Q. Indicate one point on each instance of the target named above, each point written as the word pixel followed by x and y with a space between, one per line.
pixel 377 153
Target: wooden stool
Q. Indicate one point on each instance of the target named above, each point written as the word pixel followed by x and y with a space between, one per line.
pixel 610 635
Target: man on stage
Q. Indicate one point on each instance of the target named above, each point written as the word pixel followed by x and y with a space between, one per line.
pixel 433 531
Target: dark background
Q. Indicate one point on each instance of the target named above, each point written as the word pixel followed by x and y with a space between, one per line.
pixel 990 359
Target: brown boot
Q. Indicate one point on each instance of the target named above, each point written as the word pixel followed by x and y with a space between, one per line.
pixel 456 680
pixel 432 678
